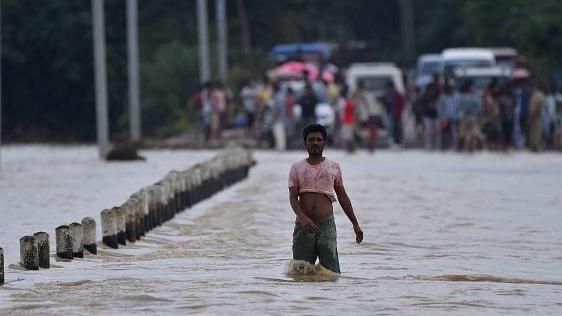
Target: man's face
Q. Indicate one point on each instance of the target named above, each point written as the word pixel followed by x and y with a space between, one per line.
pixel 314 144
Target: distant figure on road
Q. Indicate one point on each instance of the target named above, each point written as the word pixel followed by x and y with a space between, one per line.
pixel 314 184
pixel 369 113
pixel 308 102
pixel 430 101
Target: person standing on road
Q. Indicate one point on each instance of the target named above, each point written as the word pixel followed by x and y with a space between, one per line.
pixel 369 112
pixel 506 105
pixel 470 107
pixel 308 102
pixel 279 118
pixel 449 120
pixel 249 98
pixel 535 112
pixel 430 101
pixel 395 104
pixel 314 184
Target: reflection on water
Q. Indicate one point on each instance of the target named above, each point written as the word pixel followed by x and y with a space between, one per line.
pixel 438 240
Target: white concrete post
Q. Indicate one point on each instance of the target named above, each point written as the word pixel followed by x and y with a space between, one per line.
pixel 109 228
pixel 77 240
pixel 29 255
pixel 89 229
pixel 64 242
pixel 43 249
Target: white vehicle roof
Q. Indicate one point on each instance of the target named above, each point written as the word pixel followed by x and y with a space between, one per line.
pixel 469 53
pixel 482 72
pixel 373 69
pixel 504 51
pixel 359 70
pixel 430 58
pixel 427 65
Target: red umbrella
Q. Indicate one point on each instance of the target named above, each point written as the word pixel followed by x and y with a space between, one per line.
pixel 293 69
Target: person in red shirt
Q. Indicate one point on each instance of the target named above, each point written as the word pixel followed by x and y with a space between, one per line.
pixel 347 122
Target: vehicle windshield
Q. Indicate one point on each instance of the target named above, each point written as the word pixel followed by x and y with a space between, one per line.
pixel 480 82
pixel 374 83
pixel 506 61
pixel 429 68
pixel 450 66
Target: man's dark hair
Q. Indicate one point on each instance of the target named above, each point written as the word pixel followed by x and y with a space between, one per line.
pixel 314 128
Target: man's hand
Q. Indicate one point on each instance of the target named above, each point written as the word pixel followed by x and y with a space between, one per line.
pixel 358 234
pixel 309 226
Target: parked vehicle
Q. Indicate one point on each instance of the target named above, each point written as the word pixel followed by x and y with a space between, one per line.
pixel 506 57
pixel 308 52
pixel 481 77
pixel 427 66
pixel 454 58
pixel 375 76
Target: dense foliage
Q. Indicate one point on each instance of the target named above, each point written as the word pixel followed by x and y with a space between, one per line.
pixel 47 53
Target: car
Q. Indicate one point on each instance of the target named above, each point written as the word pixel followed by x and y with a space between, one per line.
pixel 454 58
pixel 481 77
pixel 375 77
pixel 505 56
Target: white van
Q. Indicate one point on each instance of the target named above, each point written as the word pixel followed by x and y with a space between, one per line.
pixel 506 57
pixel 375 76
pixel 454 58
pixel 481 77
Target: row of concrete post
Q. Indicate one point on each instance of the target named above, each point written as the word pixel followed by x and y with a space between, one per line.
pixel 146 209
pixel 71 241
pixel 153 205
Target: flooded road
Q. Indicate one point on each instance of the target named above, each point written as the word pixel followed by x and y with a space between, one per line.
pixel 444 234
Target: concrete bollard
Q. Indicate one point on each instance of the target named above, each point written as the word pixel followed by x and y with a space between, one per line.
pixel 138 203
pixel 188 188
pixel 89 232
pixel 130 224
pixel 154 206
pixel 174 192
pixel 168 199
pixel 77 240
pixel 207 181
pixel 29 254
pixel 145 197
pixel 43 249
pixel 1 266
pixel 64 242
pixel 121 224
pixel 196 185
pixel 109 228
pixel 139 220
pixel 181 191
pixel 161 206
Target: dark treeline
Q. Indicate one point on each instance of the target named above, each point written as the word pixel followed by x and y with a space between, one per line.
pixel 47 52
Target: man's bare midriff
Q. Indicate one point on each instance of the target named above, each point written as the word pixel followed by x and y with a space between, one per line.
pixel 316 206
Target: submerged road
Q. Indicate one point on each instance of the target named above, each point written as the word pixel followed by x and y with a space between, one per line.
pixel 444 234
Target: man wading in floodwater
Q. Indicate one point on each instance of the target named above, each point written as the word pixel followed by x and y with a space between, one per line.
pixel 312 182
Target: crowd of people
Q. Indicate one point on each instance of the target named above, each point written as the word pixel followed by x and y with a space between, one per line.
pixel 513 114
pixel 508 115
pixel 276 110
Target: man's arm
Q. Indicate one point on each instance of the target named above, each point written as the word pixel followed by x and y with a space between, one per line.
pixel 306 222
pixel 345 203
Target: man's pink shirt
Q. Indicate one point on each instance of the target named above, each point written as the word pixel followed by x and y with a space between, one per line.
pixel 319 178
